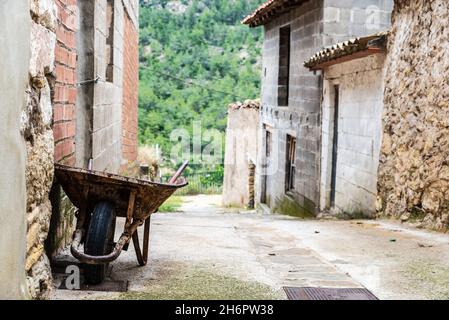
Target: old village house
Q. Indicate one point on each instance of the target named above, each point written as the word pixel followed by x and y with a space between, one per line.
pixel 365 132
pixel 288 179
pixel 69 83
pixel 351 128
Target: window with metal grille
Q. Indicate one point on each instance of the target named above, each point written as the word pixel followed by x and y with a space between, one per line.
pixel 290 164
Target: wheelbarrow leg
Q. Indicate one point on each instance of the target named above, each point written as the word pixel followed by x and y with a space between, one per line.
pixel 146 238
pixel 142 257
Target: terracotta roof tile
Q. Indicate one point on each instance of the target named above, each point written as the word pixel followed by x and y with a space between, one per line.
pixel 345 50
pixel 270 10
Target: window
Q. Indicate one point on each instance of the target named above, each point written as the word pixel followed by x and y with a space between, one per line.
pixel 284 66
pixel 290 164
pixel 268 144
pixel 110 41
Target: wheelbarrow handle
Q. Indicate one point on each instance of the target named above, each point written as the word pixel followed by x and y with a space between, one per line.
pixel 178 173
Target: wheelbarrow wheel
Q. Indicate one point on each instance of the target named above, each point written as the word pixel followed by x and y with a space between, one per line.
pixel 99 240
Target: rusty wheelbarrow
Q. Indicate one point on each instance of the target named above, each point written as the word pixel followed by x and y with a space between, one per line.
pixel 101 197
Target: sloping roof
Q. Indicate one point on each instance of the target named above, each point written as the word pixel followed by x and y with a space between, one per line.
pixel 269 10
pixel 348 50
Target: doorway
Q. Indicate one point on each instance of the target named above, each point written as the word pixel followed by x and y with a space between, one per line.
pixel 268 145
pixel 333 190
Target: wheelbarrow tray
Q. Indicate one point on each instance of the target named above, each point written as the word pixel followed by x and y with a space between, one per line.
pixel 101 186
pixel 134 199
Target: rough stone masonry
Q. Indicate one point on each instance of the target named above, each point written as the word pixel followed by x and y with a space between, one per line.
pixel 36 128
pixel 414 169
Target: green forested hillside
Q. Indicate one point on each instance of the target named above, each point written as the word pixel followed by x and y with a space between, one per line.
pixel 195 58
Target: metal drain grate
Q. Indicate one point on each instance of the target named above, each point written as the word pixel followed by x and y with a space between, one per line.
pixel 328 294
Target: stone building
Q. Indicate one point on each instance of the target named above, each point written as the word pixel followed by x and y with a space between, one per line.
pixel 414 169
pixel 241 154
pixel 290 128
pixel 351 130
pixel 70 82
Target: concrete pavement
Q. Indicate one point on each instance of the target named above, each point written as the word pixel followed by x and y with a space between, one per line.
pixel 206 251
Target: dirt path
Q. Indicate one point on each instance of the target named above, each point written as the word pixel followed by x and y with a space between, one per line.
pixel 207 252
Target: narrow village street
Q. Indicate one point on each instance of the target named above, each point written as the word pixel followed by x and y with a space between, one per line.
pixel 208 252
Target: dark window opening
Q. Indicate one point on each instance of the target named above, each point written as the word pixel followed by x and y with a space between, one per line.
pixel 284 66
pixel 290 164
pixel 268 144
pixel 335 147
pixel 110 41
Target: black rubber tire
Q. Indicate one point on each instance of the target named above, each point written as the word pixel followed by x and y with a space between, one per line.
pixel 99 240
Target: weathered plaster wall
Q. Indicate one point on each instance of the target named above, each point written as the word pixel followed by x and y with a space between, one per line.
pixel 359 134
pixel 37 131
pixel 314 25
pixel 64 117
pixel 85 71
pixel 414 171
pixel 14 64
pixel 240 151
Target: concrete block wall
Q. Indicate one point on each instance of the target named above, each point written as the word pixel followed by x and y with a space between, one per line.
pixel 108 96
pixel 359 134
pixel 314 25
pixel 354 18
pixel 305 22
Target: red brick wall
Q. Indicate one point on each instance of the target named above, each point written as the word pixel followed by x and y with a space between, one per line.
pixel 64 127
pixel 130 91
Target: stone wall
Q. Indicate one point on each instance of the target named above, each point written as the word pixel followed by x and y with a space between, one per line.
pixel 360 110
pixel 414 172
pixel 37 131
pixel 314 25
pixel 240 152
pixel 14 65
pixel 130 92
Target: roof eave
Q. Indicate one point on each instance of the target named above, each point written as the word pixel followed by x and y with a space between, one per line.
pixel 346 58
pixel 270 10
